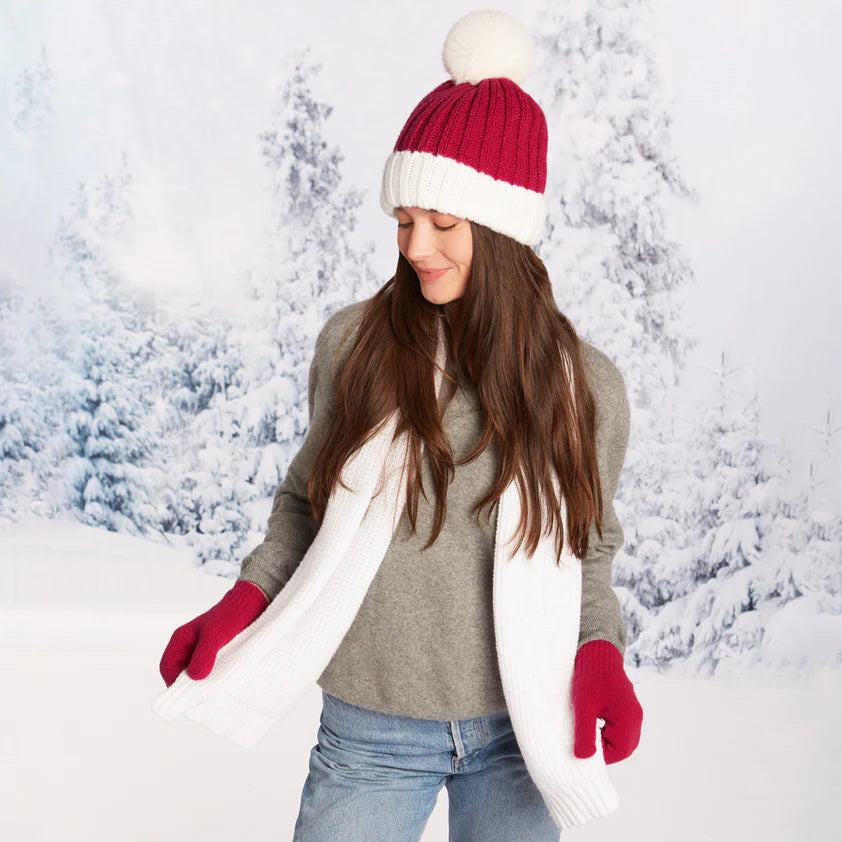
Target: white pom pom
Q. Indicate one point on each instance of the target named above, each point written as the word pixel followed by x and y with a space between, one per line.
pixel 488 44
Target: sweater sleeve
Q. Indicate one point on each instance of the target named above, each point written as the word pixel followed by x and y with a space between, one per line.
pixel 601 618
pixel 291 527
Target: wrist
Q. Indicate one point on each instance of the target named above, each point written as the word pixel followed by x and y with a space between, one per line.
pixel 248 598
pixel 600 655
pixel 263 593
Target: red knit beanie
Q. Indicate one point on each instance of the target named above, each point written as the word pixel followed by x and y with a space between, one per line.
pixel 476 145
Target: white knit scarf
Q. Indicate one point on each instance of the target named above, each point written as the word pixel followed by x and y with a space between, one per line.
pixel 263 672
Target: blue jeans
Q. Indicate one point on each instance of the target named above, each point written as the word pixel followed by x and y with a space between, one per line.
pixel 375 777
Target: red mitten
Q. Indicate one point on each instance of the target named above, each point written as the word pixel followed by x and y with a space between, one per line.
pixel 601 688
pixel 195 644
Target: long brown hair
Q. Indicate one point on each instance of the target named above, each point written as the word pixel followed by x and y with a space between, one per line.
pixel 505 334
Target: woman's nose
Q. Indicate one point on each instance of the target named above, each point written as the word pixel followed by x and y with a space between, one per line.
pixel 420 243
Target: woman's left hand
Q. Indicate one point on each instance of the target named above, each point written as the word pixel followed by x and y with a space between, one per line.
pixel 601 688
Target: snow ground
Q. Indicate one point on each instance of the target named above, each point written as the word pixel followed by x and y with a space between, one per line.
pixel 85 615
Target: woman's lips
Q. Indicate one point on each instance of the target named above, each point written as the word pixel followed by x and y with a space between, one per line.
pixel 430 275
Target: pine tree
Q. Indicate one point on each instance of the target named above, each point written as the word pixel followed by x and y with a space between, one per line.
pixel 27 416
pixel 313 265
pixel 717 607
pixel 617 275
pixel 37 336
pixel 610 175
pixel 208 494
pixel 31 105
pixel 105 403
pixel 825 476
pixel 238 382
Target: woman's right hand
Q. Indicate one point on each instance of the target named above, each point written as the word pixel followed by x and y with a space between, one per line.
pixel 194 645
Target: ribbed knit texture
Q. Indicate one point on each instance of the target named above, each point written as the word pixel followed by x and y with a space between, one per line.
pixel 424 180
pixel 474 151
pixel 495 127
pixel 534 601
pixel 263 673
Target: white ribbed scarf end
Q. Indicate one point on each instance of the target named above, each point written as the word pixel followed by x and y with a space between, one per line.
pixel 537 605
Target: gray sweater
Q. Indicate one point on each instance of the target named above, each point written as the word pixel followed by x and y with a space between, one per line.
pixel 422 642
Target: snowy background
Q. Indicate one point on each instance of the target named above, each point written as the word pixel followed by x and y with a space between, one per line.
pixel 188 192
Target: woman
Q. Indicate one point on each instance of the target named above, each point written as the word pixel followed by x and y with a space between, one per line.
pixel 421 668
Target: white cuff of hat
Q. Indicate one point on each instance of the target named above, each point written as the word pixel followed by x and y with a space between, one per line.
pixel 424 180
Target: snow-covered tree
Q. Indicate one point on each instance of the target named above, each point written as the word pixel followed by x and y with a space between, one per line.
pixel 610 175
pixel 824 481
pixel 31 103
pixel 208 493
pixel 616 273
pixel 106 400
pixel 756 549
pixel 314 267
pixel 699 592
pixel 25 417
pixel 251 372
pixel 34 337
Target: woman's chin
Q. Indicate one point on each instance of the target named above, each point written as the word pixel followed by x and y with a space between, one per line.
pixel 435 296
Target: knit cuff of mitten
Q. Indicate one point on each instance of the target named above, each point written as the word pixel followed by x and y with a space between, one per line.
pixel 599 656
pixel 247 598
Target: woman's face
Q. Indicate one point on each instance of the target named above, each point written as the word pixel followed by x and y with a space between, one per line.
pixel 432 242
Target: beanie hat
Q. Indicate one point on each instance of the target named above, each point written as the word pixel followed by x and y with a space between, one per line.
pixel 476 145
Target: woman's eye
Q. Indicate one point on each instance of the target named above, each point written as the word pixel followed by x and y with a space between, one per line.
pixel 437 227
